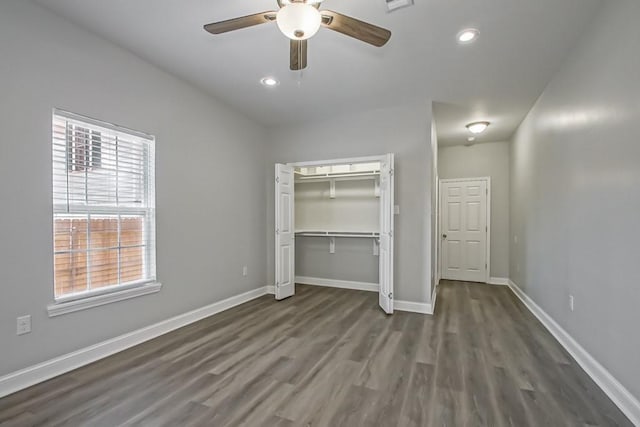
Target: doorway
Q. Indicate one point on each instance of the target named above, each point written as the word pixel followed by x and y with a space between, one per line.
pixel 334 200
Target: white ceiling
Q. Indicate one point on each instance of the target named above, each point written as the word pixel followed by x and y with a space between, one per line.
pixel 498 78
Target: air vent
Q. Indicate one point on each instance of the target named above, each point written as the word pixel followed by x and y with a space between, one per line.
pixel 397 4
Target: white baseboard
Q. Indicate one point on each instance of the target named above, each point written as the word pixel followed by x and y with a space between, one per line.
pixel 271 289
pixel 503 281
pixel 623 399
pixel 343 284
pixel 51 368
pixel 413 307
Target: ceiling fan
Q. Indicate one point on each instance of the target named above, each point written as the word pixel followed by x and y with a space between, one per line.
pixel 301 19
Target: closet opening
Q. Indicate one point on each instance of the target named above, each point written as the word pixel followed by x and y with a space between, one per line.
pixel 334 225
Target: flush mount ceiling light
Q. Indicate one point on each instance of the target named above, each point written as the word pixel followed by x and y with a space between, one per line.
pixel 269 82
pixel 468 35
pixel 478 127
pixel 299 21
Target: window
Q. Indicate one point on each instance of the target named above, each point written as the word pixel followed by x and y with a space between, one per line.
pixel 84 149
pixel 103 207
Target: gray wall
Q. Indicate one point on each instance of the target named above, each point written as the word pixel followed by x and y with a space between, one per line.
pixel 575 198
pixel 210 172
pixel 486 159
pixel 404 131
pixel 353 259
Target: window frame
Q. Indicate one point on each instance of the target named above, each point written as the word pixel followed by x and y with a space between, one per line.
pixel 114 292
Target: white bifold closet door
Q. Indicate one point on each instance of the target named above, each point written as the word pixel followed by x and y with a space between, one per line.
pixel 285 233
pixel 386 234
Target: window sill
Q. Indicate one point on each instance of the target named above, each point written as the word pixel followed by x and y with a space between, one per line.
pixel 60 308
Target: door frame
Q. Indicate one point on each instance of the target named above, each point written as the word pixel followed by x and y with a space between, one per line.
pixel 487 179
pixel 330 162
pixel 364 159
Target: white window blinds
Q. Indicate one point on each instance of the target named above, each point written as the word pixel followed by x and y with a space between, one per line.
pixel 103 206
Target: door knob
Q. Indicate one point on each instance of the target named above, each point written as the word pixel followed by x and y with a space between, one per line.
pixel 444 236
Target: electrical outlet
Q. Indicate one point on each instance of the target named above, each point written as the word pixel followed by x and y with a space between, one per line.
pixel 515 238
pixel 23 325
pixel 518 268
pixel 571 300
pixel 245 270
pixel 396 210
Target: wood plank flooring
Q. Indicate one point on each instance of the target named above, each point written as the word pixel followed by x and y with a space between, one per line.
pixel 330 357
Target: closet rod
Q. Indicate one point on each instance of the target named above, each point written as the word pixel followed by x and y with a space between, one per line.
pixel 337 234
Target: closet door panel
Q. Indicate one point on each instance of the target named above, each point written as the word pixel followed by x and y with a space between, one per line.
pixel 386 235
pixel 285 232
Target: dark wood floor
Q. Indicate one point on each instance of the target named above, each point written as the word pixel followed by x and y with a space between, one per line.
pixel 330 357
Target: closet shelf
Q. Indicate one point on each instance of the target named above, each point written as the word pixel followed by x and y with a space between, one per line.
pixel 316 233
pixel 338 177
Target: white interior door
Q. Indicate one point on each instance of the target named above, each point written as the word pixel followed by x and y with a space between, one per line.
pixel 386 235
pixel 285 233
pixel 464 230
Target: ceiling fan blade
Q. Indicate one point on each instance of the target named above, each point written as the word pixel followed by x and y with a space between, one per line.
pixel 298 59
pixel 355 28
pixel 242 22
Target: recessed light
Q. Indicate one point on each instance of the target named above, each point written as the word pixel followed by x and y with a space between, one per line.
pixel 471 138
pixel 269 81
pixel 468 35
pixel 478 127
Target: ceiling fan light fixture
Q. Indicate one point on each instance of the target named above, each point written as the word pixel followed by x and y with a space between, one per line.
pixel 298 21
pixel 285 2
pixel 478 127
